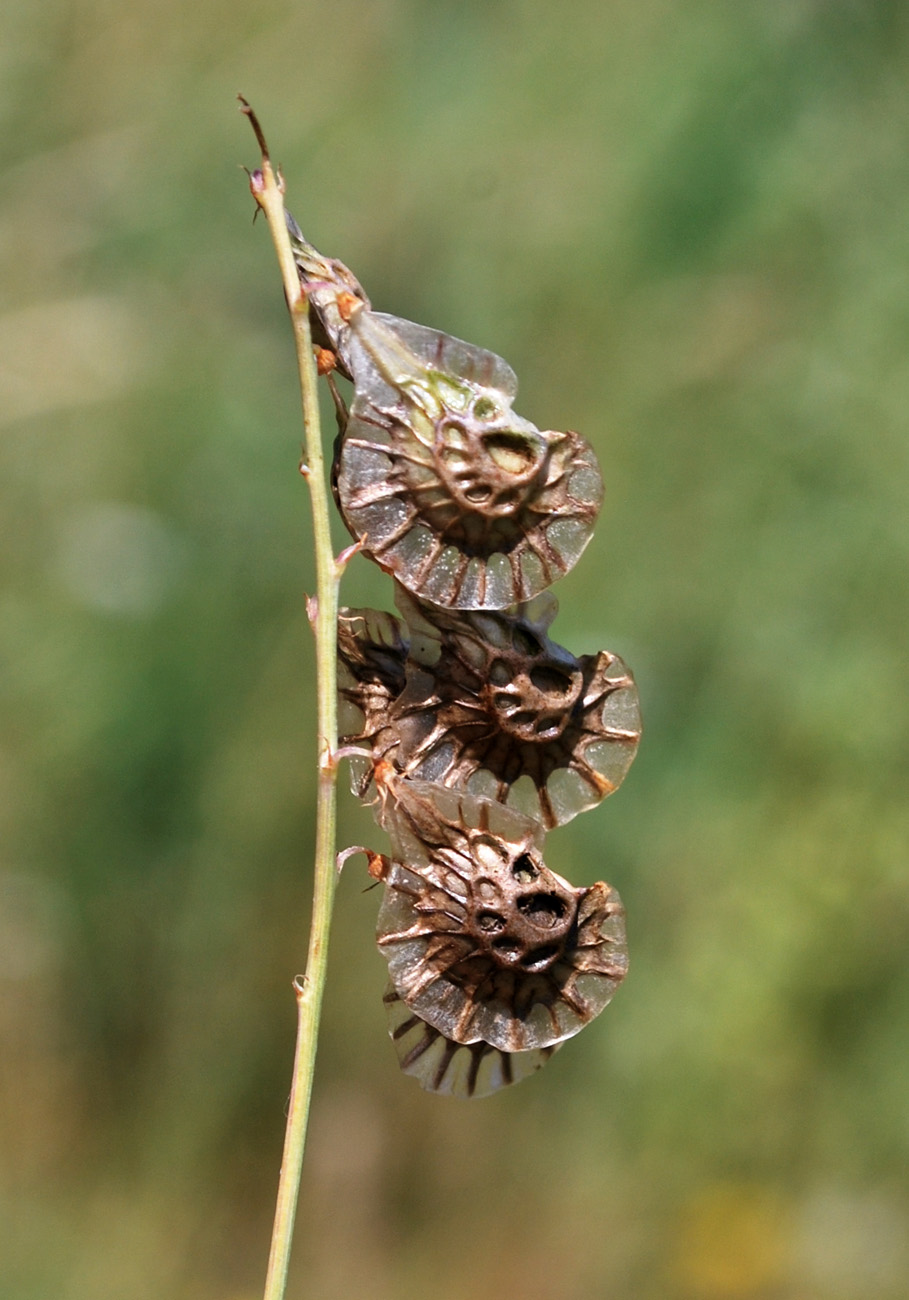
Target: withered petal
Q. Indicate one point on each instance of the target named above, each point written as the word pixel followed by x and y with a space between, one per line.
pixel 328 283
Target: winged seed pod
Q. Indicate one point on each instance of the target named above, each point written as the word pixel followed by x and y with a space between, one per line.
pixel 486 702
pixel 466 503
pixel 493 706
pixel 484 943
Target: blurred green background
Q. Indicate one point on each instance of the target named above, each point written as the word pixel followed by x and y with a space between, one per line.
pixel 686 225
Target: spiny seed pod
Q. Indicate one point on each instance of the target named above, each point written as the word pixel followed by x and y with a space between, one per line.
pixel 441 1065
pixel 467 504
pixel 485 702
pixel 493 706
pixel 483 942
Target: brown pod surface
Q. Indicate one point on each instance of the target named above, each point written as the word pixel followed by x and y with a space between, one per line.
pixel 486 702
pixel 493 706
pixel 483 942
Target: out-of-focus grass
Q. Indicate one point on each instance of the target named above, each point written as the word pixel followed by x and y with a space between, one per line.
pixel 685 226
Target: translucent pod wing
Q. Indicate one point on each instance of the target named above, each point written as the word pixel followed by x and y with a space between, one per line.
pixel 454 1069
pixel 493 706
pixel 467 504
pixel 484 943
pixel 428 624
pixel 459 369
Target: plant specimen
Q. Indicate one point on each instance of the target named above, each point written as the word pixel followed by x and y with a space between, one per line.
pixel 470 731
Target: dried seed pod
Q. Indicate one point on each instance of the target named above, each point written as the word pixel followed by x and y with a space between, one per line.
pixel 467 504
pixel 483 941
pixel 454 1069
pixel 493 706
pixel 485 702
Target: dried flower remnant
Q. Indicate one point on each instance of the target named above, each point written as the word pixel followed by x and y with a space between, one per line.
pixel 331 288
pixel 483 941
pixel 372 656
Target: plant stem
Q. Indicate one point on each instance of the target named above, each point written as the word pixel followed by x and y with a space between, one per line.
pixel 268 190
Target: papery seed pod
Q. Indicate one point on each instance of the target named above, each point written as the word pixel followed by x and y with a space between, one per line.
pixel 493 706
pixel 467 504
pixel 454 1069
pixel 486 702
pixel 483 941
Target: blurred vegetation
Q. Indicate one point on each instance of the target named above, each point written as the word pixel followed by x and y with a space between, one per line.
pixel 685 225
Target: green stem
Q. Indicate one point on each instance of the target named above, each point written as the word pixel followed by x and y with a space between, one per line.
pixel 268 190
